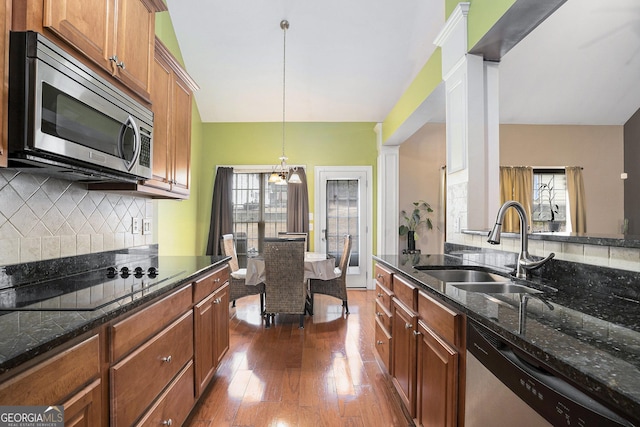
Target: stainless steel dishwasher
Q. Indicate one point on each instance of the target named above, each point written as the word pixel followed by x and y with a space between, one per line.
pixel 505 390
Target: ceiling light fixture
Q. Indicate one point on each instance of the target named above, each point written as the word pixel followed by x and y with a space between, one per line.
pixel 282 174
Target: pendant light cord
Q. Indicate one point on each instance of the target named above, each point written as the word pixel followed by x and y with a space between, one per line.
pixel 284 24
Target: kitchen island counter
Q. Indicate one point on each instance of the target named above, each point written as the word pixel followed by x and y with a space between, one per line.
pixel 589 336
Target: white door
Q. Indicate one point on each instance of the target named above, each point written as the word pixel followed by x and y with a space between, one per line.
pixel 343 206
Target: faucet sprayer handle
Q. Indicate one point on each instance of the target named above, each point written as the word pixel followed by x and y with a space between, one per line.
pixel 531 264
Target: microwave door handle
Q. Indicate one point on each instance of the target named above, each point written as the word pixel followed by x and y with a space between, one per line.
pixel 130 123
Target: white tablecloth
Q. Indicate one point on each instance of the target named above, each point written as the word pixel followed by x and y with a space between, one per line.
pixel 316 266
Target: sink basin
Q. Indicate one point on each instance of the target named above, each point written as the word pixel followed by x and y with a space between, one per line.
pixel 456 275
pixel 496 288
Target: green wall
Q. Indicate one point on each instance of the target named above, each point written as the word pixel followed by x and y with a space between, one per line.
pixel 308 144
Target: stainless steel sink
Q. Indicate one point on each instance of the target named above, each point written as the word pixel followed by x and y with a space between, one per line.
pixel 496 288
pixel 459 275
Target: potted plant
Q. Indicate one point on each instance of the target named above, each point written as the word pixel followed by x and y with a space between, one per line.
pixel 414 220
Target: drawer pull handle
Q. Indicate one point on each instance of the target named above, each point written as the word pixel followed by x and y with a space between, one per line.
pixel 416 333
pixel 217 301
pixel 408 326
pixel 379 276
pixel 379 295
pixel 166 359
pixel 216 280
pixel 378 314
pixel 379 342
pixel 168 422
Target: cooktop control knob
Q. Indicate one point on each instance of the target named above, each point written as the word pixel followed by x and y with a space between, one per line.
pixel 111 272
pixel 152 272
pixel 138 272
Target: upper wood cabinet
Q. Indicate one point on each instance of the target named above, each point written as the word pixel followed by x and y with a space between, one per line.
pixel 116 35
pixel 171 96
pixel 5 26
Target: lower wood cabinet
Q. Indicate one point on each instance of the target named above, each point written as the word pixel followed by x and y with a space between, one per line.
pixel 405 327
pixel 145 368
pixel 138 379
pixel 212 334
pixel 174 405
pixel 437 380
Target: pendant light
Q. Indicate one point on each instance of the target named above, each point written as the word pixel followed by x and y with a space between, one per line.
pixel 282 174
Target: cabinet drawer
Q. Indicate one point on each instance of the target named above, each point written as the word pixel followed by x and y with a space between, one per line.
pixel 55 379
pixel 134 330
pixel 384 296
pixel 384 316
pixel 209 283
pixel 441 319
pixel 137 380
pixel 383 276
pixel 406 292
pixel 174 405
pixel 383 345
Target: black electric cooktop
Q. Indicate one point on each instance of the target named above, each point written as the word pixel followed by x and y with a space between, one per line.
pixel 88 290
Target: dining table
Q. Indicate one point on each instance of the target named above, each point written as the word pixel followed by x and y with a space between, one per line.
pixel 316 266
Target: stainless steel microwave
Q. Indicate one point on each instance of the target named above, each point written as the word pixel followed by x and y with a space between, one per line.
pixel 66 120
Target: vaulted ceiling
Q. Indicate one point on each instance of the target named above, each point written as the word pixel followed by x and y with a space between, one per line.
pixel 352 60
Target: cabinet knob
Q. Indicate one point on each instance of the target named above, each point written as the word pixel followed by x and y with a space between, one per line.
pixel 168 422
pixel 408 326
pixel 379 295
pixel 216 280
pixel 379 276
pixel 217 301
pixel 166 359
pixel 120 65
pixel 379 342
pixel 113 58
pixel 378 314
pixel 416 333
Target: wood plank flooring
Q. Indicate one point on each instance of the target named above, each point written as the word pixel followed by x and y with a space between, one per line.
pixel 323 375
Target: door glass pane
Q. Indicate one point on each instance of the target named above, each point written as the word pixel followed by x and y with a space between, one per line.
pixel 343 217
pixel 259 211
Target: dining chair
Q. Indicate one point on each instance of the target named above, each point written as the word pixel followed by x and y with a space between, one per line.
pixel 237 286
pixel 285 288
pixel 335 287
pixel 294 235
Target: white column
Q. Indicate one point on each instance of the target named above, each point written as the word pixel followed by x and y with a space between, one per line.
pixel 472 130
pixel 388 178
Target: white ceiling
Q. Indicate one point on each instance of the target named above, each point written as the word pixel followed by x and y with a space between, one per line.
pixel 352 60
pixel 580 66
pixel 346 60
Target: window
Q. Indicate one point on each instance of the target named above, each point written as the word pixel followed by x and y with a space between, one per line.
pixel 549 200
pixel 259 211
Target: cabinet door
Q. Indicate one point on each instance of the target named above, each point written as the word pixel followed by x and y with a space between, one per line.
pixel 404 354
pixel 161 99
pixel 135 23
pixel 205 342
pixel 5 25
pixel 437 381
pixel 181 108
pixel 84 409
pixel 85 24
pixel 221 319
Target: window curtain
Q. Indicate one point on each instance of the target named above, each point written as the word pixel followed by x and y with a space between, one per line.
pixel 221 210
pixel 575 192
pixel 298 205
pixel 516 183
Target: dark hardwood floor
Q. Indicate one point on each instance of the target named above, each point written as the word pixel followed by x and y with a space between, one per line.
pixel 323 375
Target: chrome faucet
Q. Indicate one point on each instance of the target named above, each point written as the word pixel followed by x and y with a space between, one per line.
pixel 525 263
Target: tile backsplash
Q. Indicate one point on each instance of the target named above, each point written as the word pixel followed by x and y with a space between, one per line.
pixel 43 217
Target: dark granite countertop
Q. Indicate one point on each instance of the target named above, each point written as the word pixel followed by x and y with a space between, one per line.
pixel 26 334
pixel 591 337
